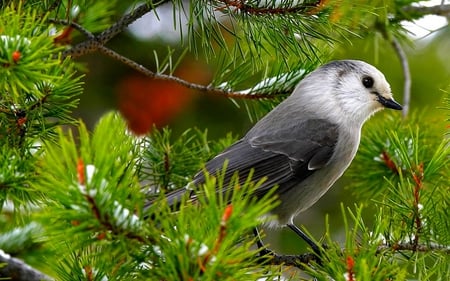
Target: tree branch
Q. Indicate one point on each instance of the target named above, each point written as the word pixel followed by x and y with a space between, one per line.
pixel 241 6
pixel 201 88
pixel 92 44
pixel 299 261
pixel 16 270
pixel 439 10
pixel 414 248
pixel 76 26
pixel 406 75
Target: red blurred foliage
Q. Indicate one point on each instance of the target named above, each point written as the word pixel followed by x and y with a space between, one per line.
pixel 145 101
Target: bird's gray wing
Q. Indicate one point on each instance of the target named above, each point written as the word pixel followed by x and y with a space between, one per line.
pixel 284 156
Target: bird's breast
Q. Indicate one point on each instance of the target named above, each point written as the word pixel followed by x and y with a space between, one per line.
pixel 304 194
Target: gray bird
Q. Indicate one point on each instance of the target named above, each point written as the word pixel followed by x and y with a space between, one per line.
pixel 307 142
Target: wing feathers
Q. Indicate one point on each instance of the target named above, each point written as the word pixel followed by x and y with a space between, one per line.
pixel 283 156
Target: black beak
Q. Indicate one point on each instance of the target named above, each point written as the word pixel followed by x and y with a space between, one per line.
pixel 389 103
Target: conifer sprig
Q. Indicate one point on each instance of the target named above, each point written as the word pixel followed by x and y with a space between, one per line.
pixel 39 92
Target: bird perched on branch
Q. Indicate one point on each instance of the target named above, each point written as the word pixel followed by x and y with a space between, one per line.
pixel 308 141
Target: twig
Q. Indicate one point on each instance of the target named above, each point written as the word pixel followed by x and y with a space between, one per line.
pixel 92 44
pixel 95 45
pixel 126 20
pixel 439 10
pixel 418 179
pixel 406 75
pixel 103 219
pixel 414 248
pixel 222 233
pixel 389 162
pixel 201 88
pixel 241 6
pixel 75 25
pixel 15 269
pixel 298 261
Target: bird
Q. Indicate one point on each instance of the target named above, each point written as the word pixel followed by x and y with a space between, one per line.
pixel 307 141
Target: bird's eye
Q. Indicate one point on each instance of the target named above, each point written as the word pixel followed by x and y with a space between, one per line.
pixel 367 82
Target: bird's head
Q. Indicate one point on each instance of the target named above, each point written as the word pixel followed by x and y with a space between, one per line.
pixel 350 88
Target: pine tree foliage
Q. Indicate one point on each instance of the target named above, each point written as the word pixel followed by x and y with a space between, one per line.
pixel 169 164
pixel 94 208
pixel 280 36
pixel 355 261
pixel 39 91
pixel 73 201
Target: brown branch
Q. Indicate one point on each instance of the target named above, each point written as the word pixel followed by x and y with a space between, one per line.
pixel 102 219
pixel 75 25
pixel 418 180
pixel 414 248
pixel 106 223
pixel 126 20
pixel 159 76
pixel 299 261
pixel 222 233
pixel 255 10
pixel 88 272
pixel 389 162
pixel 93 44
pixel 201 88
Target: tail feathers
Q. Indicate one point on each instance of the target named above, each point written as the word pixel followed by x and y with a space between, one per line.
pixel 174 197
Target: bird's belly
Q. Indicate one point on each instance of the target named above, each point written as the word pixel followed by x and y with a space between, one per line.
pixel 303 195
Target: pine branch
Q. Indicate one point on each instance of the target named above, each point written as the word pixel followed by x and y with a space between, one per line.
pixel 16 269
pixel 299 261
pixel 97 43
pixel 160 76
pixel 201 88
pixel 416 248
pixel 241 6
pixel 74 25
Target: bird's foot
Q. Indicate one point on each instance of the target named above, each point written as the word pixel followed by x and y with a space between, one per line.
pixel 265 252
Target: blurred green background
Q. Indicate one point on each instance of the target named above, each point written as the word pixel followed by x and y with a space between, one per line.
pixel 110 85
